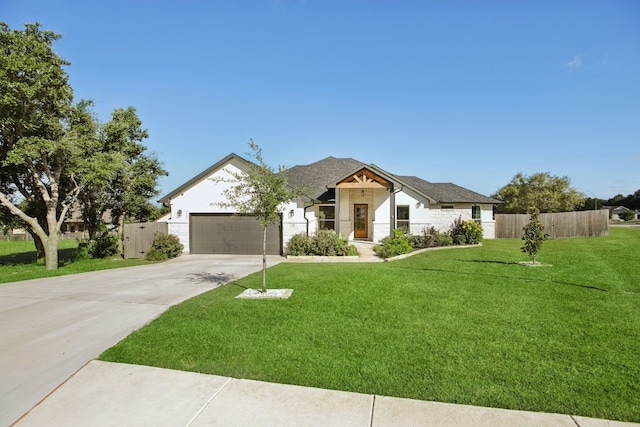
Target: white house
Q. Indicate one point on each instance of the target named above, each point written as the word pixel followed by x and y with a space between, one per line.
pixel 358 200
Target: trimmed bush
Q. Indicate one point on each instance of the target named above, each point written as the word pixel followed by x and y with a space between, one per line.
pixel 164 246
pixel 472 232
pixel 300 244
pixel 465 232
pixel 322 243
pixel 398 245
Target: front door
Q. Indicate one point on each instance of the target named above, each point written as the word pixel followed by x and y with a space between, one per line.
pixel 360 221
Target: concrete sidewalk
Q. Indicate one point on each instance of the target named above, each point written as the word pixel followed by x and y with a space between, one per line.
pixel 113 394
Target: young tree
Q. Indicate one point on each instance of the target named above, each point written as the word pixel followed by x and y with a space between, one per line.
pixel 549 193
pixel 534 235
pixel 259 191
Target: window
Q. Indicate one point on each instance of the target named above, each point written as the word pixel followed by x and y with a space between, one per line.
pixel 327 217
pixel 402 217
pixel 446 207
pixel 475 213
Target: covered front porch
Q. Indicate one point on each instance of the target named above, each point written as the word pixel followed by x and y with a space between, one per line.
pixel 365 206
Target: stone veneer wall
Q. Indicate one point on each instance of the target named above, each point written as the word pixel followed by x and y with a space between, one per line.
pixel 289 229
pixel 181 230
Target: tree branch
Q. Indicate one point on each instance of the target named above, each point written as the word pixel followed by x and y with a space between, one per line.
pixel 33 223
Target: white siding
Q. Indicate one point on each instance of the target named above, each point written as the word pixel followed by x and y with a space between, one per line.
pixel 293 221
pixel 202 197
pixel 419 212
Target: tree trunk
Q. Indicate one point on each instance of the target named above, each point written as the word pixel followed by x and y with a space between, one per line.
pixel 264 259
pixel 121 236
pixel 51 251
pixel 37 241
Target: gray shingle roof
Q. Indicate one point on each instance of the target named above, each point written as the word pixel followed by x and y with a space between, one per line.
pixel 320 179
pixel 321 175
pixel 446 192
pixel 324 174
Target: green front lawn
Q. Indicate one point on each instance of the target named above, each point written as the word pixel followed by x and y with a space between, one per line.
pixel 459 325
pixel 18 261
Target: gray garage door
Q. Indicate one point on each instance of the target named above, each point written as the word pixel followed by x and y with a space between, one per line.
pixel 228 234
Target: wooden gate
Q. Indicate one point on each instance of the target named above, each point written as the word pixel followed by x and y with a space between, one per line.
pixel 139 236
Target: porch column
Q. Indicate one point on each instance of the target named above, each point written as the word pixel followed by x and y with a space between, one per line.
pixel 392 211
pixel 337 210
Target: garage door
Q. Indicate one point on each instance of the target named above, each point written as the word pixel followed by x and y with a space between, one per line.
pixel 228 234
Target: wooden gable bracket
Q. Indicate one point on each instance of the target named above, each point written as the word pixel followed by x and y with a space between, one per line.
pixel 364 178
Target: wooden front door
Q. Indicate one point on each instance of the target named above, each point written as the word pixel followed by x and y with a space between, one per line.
pixel 360 222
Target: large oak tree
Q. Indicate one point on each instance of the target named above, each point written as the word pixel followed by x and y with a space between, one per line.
pixel 543 191
pixel 52 150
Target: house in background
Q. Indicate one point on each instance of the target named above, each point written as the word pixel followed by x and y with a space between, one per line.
pixel 357 200
pixel 616 211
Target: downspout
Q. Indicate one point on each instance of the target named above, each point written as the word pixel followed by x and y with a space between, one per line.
pixel 313 202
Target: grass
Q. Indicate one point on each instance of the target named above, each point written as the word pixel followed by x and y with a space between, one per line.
pixel 18 261
pixel 462 325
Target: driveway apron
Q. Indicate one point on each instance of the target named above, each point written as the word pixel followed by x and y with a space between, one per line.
pixel 52 327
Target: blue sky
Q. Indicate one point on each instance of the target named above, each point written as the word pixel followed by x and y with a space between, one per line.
pixel 469 92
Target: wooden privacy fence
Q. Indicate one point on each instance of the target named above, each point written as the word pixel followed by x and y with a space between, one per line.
pixel 556 225
pixel 139 236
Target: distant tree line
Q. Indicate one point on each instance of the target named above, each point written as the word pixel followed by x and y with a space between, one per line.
pixel 549 193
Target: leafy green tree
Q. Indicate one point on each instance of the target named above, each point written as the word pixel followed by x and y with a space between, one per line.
pixel 128 175
pixel 533 235
pixel 52 150
pixel 591 204
pixel 546 192
pixel 43 145
pixel 260 191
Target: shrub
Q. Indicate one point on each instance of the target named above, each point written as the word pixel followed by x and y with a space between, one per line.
pixel 322 243
pixel 465 232
pixel 156 255
pixel 300 244
pixel 425 240
pixel 103 246
pixel 444 239
pixel 163 247
pixel 627 216
pixel 417 241
pixel 398 245
pixel 472 232
pixel 459 239
pixel 429 235
pixel 456 230
pixel 83 249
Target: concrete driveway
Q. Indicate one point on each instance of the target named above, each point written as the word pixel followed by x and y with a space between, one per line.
pixel 52 327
